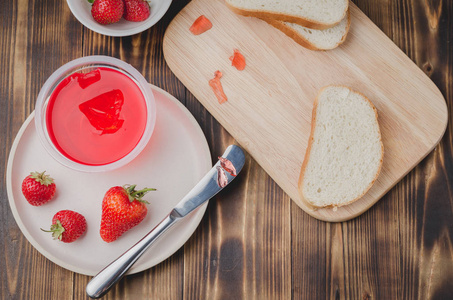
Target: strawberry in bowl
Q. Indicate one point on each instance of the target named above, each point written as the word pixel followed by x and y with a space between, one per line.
pixel 136 10
pixel 111 11
pixel 107 11
pixel 137 16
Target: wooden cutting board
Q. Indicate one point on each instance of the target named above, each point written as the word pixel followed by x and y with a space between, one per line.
pixel 270 102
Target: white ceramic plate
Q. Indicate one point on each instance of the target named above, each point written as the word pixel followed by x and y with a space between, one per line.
pixel 175 159
pixel 81 9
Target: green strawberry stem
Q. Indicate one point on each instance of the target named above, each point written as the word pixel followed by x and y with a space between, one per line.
pixel 57 230
pixel 90 1
pixel 137 195
pixel 42 178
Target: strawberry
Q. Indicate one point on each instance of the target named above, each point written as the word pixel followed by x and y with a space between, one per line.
pixel 38 188
pixel 107 11
pixel 136 10
pixel 122 209
pixel 67 226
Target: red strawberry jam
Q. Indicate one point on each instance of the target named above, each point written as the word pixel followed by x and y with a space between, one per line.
pixel 96 118
pixel 103 111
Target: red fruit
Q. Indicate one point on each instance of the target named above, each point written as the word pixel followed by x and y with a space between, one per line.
pixel 38 188
pixel 67 226
pixel 136 10
pixel 122 209
pixel 107 11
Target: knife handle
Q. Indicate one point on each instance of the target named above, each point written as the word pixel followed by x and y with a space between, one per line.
pixel 110 275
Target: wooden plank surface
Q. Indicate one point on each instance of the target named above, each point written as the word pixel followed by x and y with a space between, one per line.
pixel 270 102
pixel 254 242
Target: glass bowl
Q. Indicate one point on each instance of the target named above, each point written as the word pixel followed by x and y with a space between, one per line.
pixel 83 65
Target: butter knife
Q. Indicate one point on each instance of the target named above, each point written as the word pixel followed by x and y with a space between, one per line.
pixel 207 188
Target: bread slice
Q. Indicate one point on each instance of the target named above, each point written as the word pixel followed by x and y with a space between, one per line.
pixel 315 39
pixel 345 150
pixel 316 14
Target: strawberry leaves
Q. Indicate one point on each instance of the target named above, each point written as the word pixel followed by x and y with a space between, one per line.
pixel 137 195
pixel 57 230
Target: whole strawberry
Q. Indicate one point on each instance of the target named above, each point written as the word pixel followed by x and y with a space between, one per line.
pixel 107 11
pixel 67 226
pixel 136 10
pixel 38 188
pixel 122 209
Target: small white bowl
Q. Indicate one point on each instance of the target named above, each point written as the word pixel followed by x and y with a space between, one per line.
pixel 81 9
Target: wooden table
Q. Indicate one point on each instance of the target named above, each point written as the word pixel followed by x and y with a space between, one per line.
pixel 253 242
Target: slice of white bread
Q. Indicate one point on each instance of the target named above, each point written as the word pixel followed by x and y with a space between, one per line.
pixel 315 39
pixel 316 14
pixel 345 150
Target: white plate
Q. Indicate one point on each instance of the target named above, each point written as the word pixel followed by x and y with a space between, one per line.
pixel 81 9
pixel 175 159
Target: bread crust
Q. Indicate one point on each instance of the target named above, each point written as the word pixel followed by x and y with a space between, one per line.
pixel 263 14
pixel 310 143
pixel 300 39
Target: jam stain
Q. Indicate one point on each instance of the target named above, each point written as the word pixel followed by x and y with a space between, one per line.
pixel 238 60
pixel 217 88
pixel 201 25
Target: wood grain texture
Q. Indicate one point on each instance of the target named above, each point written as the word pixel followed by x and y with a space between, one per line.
pixel 31 49
pixel 270 102
pixel 253 243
